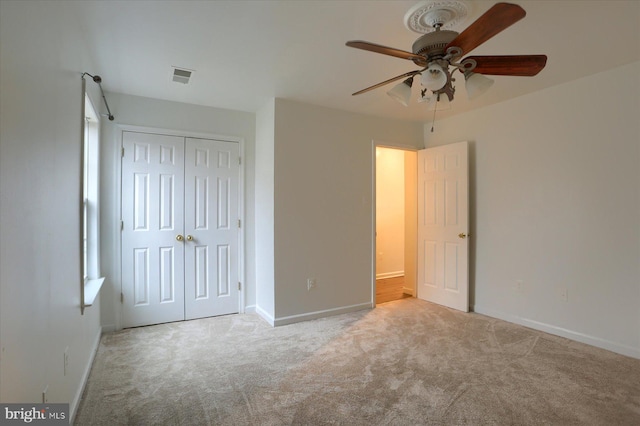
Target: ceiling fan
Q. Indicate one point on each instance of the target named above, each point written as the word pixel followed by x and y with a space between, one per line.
pixel 439 50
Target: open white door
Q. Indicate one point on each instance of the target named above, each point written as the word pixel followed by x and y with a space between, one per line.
pixel 443 226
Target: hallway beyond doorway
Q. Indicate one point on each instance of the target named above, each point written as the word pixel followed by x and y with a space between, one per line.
pixel 389 289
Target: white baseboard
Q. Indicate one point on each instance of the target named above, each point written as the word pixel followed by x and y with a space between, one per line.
pixel 562 332
pixel 108 328
pixel 73 408
pixel 320 314
pixel 407 290
pixel 384 275
pixel 265 315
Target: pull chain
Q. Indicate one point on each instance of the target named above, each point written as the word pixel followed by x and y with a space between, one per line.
pixel 435 108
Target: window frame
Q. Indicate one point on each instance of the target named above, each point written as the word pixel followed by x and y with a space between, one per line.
pixel 91 281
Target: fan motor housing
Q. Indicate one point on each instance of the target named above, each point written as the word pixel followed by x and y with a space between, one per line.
pixel 433 44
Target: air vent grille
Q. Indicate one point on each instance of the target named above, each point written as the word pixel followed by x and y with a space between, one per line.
pixel 181 75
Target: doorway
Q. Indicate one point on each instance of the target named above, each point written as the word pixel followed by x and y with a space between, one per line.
pixel 395 223
pixel 436 227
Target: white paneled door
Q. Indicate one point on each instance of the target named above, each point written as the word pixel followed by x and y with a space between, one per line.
pixel 211 224
pixel 152 214
pixel 443 226
pixel 179 228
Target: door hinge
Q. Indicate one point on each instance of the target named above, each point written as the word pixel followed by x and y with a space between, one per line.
pixel 121 297
pixel 239 161
pixel 239 223
pixel 122 225
pixel 122 152
pixel 239 286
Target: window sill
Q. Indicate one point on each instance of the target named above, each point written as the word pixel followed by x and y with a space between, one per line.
pixel 91 290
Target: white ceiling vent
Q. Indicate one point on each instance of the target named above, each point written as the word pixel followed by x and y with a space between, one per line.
pixel 181 75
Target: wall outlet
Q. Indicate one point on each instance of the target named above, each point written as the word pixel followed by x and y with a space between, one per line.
pixel 563 293
pixel 519 286
pixel 66 360
pixel 311 283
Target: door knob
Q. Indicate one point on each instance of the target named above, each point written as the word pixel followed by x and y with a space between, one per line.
pixel 189 237
pixel 462 235
pixel 179 237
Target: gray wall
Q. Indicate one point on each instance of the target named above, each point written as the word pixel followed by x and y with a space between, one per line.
pixel 160 114
pixel 42 57
pixel 323 206
pixel 555 202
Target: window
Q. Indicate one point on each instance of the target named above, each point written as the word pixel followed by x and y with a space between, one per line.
pixel 90 205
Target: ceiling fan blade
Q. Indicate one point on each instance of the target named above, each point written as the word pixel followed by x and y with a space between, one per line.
pixel 494 20
pixel 378 48
pixel 518 65
pixel 375 86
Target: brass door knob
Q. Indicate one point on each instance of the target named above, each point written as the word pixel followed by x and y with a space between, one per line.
pixel 179 237
pixel 189 237
pixel 462 235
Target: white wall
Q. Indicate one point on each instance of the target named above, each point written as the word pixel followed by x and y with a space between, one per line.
pixel 389 212
pixel 555 198
pixel 42 56
pixel 265 209
pixel 323 206
pixel 155 113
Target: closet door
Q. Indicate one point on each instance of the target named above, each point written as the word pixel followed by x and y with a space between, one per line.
pixel 211 227
pixel 152 229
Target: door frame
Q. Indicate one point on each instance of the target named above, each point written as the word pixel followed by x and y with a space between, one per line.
pixel 381 144
pixel 120 129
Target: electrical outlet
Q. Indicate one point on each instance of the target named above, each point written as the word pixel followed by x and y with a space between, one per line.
pixel 66 360
pixel 563 293
pixel 519 286
pixel 311 283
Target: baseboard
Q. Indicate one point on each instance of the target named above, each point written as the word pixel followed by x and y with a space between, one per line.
pixel 407 290
pixel 320 314
pixel 562 332
pixel 385 275
pixel 73 408
pixel 265 315
pixel 108 328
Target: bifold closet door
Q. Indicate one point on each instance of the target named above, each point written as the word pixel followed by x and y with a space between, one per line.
pixel 152 229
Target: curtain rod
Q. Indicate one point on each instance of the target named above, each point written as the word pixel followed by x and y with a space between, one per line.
pixel 98 79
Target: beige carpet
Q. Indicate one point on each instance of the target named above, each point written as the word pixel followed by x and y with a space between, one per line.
pixel 406 362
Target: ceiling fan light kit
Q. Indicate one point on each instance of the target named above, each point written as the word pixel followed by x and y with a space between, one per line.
pixel 434 77
pixel 476 84
pixel 439 102
pixel 438 51
pixel 402 92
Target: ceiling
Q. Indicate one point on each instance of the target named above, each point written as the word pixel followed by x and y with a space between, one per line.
pixel 246 52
